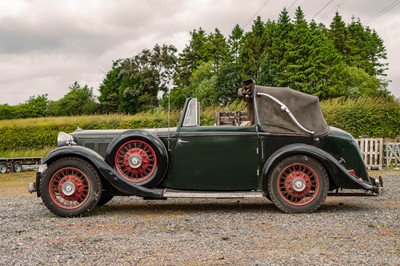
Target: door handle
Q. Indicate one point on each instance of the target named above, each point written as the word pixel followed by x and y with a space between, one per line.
pixel 182 141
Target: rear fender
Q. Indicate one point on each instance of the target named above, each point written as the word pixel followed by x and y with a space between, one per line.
pixel 337 172
pixel 103 168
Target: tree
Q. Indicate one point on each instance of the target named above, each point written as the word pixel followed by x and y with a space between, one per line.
pixel 192 56
pixel 109 89
pixel 235 42
pixel 337 33
pixel 254 43
pixel 218 49
pixel 78 101
pixel 203 84
pixel 133 84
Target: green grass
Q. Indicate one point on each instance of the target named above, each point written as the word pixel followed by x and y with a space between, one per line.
pixel 16 183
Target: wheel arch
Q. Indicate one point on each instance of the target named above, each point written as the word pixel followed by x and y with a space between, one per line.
pixel 147 137
pixel 80 152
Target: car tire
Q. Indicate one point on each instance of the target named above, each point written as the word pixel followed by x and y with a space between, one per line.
pixel 70 187
pixel 298 184
pixel 17 166
pixel 139 159
pixel 3 168
pixel 104 199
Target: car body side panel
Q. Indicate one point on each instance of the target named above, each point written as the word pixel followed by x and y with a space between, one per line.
pixel 215 158
pixel 342 146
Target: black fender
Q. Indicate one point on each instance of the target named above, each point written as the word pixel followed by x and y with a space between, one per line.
pixel 103 168
pixel 151 139
pixel 339 174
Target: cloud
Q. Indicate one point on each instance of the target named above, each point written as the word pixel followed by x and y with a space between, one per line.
pixel 45 46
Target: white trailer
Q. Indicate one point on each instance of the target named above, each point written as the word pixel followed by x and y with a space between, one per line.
pixel 16 165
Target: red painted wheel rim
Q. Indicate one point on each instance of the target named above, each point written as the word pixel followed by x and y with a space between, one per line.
pixel 298 184
pixel 77 180
pixel 136 161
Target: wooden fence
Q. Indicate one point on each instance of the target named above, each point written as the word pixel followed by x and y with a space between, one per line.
pixel 392 153
pixel 372 152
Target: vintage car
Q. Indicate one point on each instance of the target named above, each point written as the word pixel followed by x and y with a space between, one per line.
pixel 285 152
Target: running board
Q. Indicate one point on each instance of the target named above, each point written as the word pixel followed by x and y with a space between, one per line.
pixel 170 193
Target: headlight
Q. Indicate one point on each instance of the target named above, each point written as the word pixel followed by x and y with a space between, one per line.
pixel 64 139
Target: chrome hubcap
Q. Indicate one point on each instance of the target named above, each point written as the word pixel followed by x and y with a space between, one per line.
pixel 299 184
pixel 135 161
pixel 68 188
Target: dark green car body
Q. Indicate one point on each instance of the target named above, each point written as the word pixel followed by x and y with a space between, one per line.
pixel 192 159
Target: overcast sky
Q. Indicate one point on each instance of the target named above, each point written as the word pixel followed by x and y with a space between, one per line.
pixel 47 45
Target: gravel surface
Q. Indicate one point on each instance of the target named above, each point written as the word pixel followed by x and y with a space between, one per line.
pixel 130 231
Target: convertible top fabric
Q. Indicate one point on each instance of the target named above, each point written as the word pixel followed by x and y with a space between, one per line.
pixel 304 107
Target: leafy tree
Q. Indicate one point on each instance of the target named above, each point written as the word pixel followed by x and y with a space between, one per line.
pixel 203 84
pixel 254 43
pixel 78 101
pixel 109 89
pixel 337 33
pixel 192 56
pixel 235 42
pixel 133 84
pixel 218 49
pixel 7 112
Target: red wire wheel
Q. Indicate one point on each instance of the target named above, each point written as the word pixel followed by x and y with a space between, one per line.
pixel 69 188
pixel 298 184
pixel 136 161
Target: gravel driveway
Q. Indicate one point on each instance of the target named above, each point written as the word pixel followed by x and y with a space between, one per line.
pixel 130 231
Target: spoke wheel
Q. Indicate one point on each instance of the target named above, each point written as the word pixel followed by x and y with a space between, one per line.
pixel 136 161
pixel 298 184
pixel 70 187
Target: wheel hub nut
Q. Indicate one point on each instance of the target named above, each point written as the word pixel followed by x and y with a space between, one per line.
pixel 299 184
pixel 68 188
pixel 135 161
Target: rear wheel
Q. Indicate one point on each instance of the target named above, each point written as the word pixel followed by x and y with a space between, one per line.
pixel 298 184
pixel 70 187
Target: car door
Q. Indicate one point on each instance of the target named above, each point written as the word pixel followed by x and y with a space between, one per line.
pixel 213 158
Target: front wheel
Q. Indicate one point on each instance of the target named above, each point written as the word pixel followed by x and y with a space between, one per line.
pixel 70 187
pixel 298 184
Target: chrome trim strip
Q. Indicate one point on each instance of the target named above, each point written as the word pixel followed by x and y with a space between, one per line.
pixel 207 194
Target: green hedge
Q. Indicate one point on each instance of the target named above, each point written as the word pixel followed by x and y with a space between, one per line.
pixel 372 117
